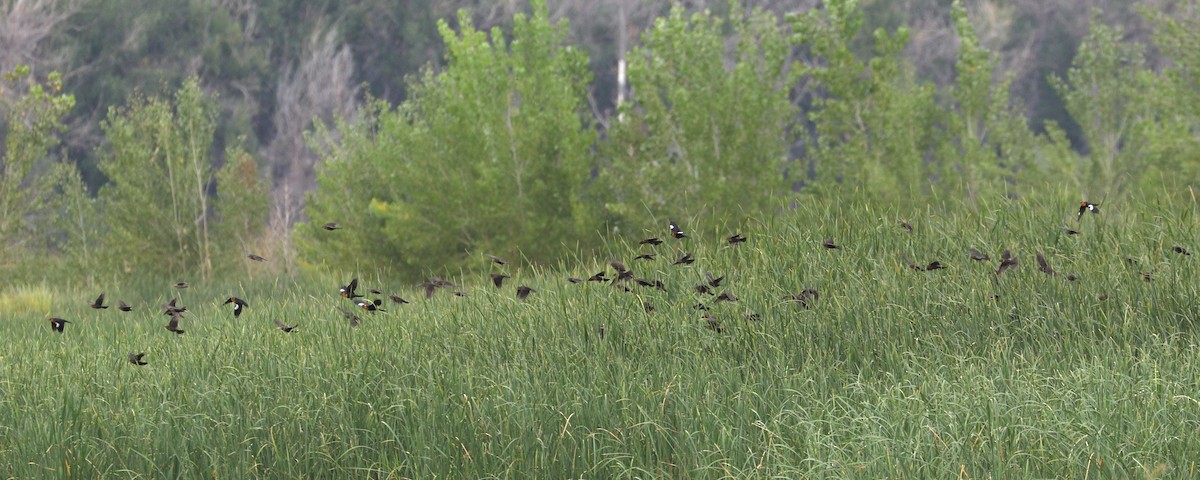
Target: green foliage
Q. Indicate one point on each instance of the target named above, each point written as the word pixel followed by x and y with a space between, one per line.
pixel 489 155
pixel 987 143
pixel 709 126
pixel 241 206
pixel 160 174
pixel 1105 92
pixel 30 175
pixel 875 126
pixel 893 373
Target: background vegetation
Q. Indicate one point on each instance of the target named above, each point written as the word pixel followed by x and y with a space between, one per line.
pixel 502 144
pixel 178 141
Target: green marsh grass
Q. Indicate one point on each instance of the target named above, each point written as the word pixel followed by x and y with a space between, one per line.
pixel 894 373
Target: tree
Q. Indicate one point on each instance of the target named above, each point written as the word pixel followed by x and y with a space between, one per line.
pixel 875 124
pixel 490 154
pixel 160 174
pixel 30 173
pixel 709 124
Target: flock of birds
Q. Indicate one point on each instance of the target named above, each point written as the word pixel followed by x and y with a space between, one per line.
pixel 623 277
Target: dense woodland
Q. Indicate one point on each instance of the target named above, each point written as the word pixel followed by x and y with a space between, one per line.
pixel 434 131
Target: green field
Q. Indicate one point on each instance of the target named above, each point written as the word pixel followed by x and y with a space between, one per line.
pixel 896 373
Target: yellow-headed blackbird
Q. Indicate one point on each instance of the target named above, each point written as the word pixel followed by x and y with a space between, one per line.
pixel 238 305
pixel 676 232
pixel 57 324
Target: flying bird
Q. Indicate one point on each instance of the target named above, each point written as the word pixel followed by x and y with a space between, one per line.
pixel 238 305
pixel 736 239
pixel 686 259
pixel 703 289
pixel 1043 265
pixel 57 324
pixel 977 256
pixel 828 243
pixel 934 265
pixel 285 327
pixel 99 303
pixel 523 292
pixel 1070 231
pixel 651 241
pixel 136 358
pixel 1007 261
pixel 599 277
pixel 171 309
pixel 711 322
pixel 181 285
pixel 498 260
pixel 645 256
pixel 396 298
pixel 676 232
pixel 1086 206
pixel 498 279
pixel 122 306
pixel 574 279
pixel 354 320
pixel 906 226
pixel 256 258
pixel 910 263
pixel 173 324
pixel 372 306
pixel 349 290
pixel 429 288
pixel 806 299
pixel 331 226
pixel 1180 250
pixel 726 297
pixel 713 282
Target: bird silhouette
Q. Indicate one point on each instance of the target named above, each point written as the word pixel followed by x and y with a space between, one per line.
pixel 1086 206
pixel 498 279
pixel 977 255
pixel 238 305
pixel 498 260
pixel 136 358
pixel 256 258
pixel 58 324
pixel 1007 261
pixel 349 290
pixel 285 327
pixel 122 306
pixel 99 303
pixel 736 239
pixel 676 232
pixel 173 324
pixel 1043 265
pixel 331 226
pixel 523 292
